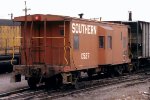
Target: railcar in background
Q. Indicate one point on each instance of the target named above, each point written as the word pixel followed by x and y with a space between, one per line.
pixel 139 45
pixel 9 44
pixel 56 49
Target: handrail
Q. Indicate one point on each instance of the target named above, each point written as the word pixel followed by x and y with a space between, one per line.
pixel 43 37
pixel 48 37
pixel 13 53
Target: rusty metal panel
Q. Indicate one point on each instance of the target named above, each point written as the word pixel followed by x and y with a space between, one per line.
pixel 145 39
pixel 44 43
pixel 148 39
pixel 143 35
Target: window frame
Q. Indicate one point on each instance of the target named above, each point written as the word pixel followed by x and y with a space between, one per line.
pixel 101 41
pixel 76 41
pixel 109 40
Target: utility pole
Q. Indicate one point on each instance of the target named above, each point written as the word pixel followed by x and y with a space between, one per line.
pixel 26 9
pixel 25 26
pixel 11 14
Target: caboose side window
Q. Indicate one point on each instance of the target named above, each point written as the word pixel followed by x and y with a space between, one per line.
pixel 110 42
pixel 76 41
pixel 101 41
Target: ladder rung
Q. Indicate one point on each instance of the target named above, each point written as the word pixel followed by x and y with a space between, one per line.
pixel 37 50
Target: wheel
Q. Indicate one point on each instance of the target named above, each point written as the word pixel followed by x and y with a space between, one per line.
pixel 119 70
pixel 54 82
pixel 130 68
pixel 76 78
pixel 76 85
pixel 32 82
pixel 90 73
pixel 50 83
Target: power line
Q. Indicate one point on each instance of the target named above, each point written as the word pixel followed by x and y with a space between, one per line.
pixel 11 15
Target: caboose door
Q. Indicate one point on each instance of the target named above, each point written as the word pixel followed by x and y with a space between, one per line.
pixel 37 43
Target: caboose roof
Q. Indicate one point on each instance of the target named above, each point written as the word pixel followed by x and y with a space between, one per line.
pixel 41 17
pixel 49 17
pixel 106 27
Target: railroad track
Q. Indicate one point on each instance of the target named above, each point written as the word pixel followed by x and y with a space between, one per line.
pixel 14 92
pixel 42 94
pixel 26 94
pixel 99 84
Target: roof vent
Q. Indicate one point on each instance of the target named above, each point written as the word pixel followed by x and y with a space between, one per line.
pixel 81 15
pixel 130 15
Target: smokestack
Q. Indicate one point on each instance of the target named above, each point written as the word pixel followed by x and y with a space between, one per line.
pixel 130 15
pixel 81 15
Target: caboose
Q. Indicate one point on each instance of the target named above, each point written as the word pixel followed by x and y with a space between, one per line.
pixel 56 49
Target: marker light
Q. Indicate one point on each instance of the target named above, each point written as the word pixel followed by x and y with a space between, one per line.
pixel 37 18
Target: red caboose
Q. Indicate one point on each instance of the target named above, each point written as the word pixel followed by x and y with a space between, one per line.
pixel 56 49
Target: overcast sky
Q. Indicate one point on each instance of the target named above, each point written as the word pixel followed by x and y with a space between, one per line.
pixel 107 9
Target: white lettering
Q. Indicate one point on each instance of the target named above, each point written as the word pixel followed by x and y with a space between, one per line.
pixel 73 27
pixel 80 29
pixel 91 29
pixel 77 28
pixel 85 55
pixel 89 32
pixel 83 29
pixel 94 28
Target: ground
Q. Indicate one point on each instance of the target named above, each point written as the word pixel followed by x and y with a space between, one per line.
pixel 122 91
pixel 6 85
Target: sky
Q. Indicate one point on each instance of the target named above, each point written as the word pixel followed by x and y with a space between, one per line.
pixel 107 9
